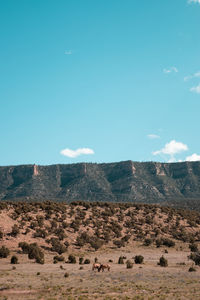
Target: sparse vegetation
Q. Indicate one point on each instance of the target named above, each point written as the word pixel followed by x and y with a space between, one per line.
pixel 129 264
pixel 14 260
pixel 71 259
pixel 138 259
pixel 4 252
pixel 163 262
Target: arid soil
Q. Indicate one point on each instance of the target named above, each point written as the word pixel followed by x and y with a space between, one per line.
pixel 104 232
pixel 146 281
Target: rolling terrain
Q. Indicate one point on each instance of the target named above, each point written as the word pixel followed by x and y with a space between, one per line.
pixel 47 250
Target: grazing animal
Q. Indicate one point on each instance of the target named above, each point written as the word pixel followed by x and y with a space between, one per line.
pixel 103 267
pixel 95 266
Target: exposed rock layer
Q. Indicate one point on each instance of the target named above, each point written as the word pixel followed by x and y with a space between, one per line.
pixel 149 182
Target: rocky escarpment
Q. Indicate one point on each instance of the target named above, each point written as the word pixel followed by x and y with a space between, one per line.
pixel 149 182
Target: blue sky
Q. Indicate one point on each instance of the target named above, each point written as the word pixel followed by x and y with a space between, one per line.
pixel 99 81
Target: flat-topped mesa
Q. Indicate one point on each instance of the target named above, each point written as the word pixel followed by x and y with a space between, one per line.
pixel 148 182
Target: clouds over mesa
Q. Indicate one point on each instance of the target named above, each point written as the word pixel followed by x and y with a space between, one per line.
pixel 171 149
pixel 193 157
pixel 74 153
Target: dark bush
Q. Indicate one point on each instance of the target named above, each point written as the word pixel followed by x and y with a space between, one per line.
pixel 58 258
pixel 40 233
pixel 96 243
pixel 129 264
pixel 66 275
pixel 1 234
pixel 121 260
pixel 81 260
pixel 158 243
pixel 193 247
pixel 57 246
pixel 192 269
pixel 14 260
pixel 195 257
pixel 4 252
pixel 36 253
pixel 138 259
pixel 24 246
pixel 163 262
pixel 119 243
pixel 15 230
pixel 168 242
pixel 148 242
pixel 86 261
pixel 71 259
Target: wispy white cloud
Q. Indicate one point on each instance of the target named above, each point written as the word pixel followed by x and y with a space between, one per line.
pixel 170 70
pixel 194 1
pixel 172 148
pixel 153 136
pixel 189 77
pixel 74 153
pixel 196 89
pixel 68 52
pixel 193 157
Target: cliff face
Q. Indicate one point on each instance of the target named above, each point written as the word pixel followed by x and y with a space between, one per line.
pixel 124 181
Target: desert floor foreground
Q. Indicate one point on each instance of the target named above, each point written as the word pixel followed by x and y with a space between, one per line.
pixel 147 281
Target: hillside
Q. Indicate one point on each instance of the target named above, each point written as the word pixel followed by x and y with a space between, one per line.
pixel 91 226
pixel 47 251
pixel 176 184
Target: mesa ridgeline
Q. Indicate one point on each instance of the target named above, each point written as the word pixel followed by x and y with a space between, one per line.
pixel 176 184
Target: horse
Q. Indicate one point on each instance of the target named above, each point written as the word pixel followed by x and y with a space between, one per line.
pixel 103 267
pixel 96 266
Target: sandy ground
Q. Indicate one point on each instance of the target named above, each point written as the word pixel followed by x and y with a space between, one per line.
pixel 147 281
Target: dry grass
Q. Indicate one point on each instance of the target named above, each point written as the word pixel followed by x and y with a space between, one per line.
pixel 29 280
pixel 147 281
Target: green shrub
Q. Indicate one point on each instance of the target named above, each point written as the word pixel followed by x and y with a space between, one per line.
pixel 24 246
pixel 57 246
pixel 58 258
pixel 158 243
pixel 138 259
pixel 119 243
pixel 192 269
pixel 86 261
pixel 163 262
pixel 148 242
pixel 15 230
pixel 4 252
pixel 34 252
pixel 195 257
pixel 193 247
pixel 168 242
pixel 71 259
pixel 14 260
pixel 81 260
pixel 121 260
pixel 129 264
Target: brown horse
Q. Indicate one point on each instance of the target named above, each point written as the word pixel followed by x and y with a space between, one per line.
pixel 95 266
pixel 103 267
